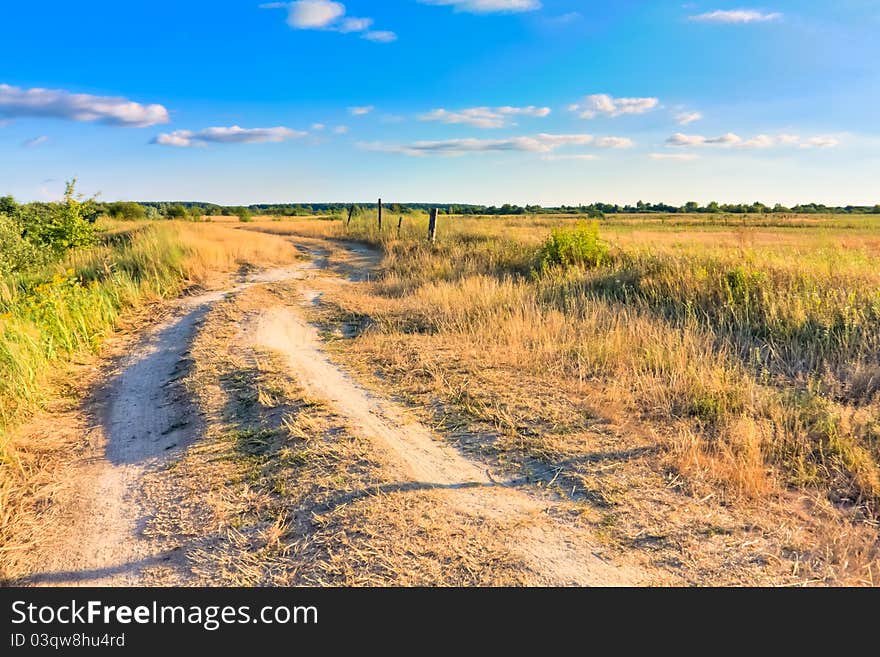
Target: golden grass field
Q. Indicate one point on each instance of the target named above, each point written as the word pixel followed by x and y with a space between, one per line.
pixel 749 352
pixel 731 360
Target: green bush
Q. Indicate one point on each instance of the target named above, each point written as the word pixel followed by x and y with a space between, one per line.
pixel 127 210
pixel 575 247
pixel 176 212
pixel 16 253
pixel 60 226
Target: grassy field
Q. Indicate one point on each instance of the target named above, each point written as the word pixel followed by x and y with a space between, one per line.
pixel 750 345
pixel 620 363
pixel 55 315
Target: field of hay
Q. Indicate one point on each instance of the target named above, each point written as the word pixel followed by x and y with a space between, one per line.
pixel 749 344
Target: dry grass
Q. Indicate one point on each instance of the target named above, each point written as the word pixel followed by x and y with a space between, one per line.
pixel 749 360
pixel 280 492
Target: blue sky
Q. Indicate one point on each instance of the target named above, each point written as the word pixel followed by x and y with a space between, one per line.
pixel 484 101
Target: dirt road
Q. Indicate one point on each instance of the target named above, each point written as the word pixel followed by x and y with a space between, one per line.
pixel 148 423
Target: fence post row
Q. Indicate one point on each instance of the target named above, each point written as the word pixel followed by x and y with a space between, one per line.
pixel 432 226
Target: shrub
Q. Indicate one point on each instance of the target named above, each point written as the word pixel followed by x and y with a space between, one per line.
pixel 176 212
pixel 575 247
pixel 16 253
pixel 127 210
pixel 244 215
pixel 60 226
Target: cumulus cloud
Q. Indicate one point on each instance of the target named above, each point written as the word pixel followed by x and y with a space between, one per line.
pixel 605 105
pixel 16 102
pixel 761 141
pixel 36 141
pixel 485 117
pixel 541 143
pixel 488 6
pixel 226 135
pixel 329 16
pixel 686 118
pixel 736 16
pixel 360 111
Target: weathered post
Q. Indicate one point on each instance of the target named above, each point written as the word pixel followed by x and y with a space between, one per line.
pixel 380 215
pixel 350 212
pixel 432 226
pixel 399 226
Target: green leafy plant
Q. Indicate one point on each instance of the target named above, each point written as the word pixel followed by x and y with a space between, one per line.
pixel 61 226
pixel 575 247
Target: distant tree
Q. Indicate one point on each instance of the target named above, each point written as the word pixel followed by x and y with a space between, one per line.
pixel 176 211
pixel 126 210
pixel 691 206
pixel 8 206
pixel 244 215
pixel 713 207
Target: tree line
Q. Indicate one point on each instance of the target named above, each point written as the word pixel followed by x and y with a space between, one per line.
pixel 132 210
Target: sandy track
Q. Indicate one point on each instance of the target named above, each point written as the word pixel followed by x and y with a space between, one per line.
pixel 146 424
pixel 102 544
pixel 558 554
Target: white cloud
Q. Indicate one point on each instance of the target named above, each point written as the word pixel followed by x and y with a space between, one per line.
pixel 318 126
pixel 360 111
pixel 36 141
pixel 541 143
pixel 16 102
pixel 341 130
pixel 760 141
pixel 485 117
pixel 757 142
pixel 488 6
pixel 314 14
pixel 736 16
pixel 682 157
pixel 821 142
pixel 355 25
pixel 686 118
pixel 226 135
pixel 605 105
pixel 329 16
pixel 679 139
pixel 380 36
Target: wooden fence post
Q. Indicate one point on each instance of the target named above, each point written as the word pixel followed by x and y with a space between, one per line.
pixel 380 215
pixel 432 226
pixel 399 226
pixel 350 212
